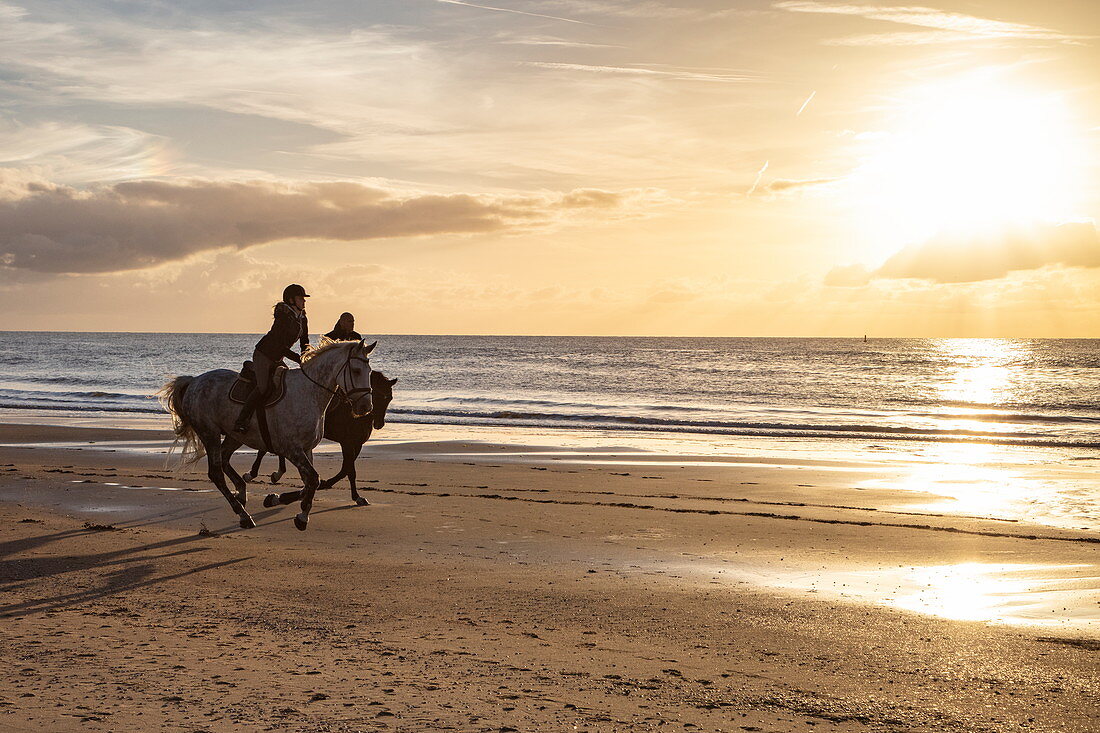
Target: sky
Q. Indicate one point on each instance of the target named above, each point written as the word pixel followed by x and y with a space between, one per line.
pixel 595 167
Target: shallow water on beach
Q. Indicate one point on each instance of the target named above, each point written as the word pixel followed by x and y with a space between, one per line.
pixel 1038 485
pixel 1053 597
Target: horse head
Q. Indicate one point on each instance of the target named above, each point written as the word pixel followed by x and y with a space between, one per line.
pixel 382 392
pixel 355 378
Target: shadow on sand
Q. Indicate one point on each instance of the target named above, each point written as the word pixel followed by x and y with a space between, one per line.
pixel 124 569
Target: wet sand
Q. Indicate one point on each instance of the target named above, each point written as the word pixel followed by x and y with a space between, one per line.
pixel 501 587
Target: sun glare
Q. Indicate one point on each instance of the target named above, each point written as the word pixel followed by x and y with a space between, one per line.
pixel 972 156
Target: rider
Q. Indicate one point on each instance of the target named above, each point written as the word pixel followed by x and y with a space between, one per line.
pixel 344 330
pixel 290 325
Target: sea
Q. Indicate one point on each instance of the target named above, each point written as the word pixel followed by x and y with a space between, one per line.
pixel 1001 391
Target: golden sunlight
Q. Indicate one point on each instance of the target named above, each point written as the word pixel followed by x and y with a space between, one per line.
pixel 973 155
pixel 981 372
pixel 976 591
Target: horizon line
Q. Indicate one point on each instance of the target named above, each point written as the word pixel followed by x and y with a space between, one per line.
pixel 861 337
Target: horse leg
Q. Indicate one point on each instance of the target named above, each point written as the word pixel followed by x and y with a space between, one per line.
pixel 229 445
pixel 352 452
pixel 279 474
pixel 287 497
pixel 329 483
pixel 304 463
pixel 214 471
pixel 255 470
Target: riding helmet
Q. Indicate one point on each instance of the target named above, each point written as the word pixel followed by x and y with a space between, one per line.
pixel 293 290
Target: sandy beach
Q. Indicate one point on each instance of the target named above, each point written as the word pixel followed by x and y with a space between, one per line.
pixel 494 587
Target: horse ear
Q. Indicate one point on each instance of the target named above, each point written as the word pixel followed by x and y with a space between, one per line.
pixel 393 381
pixel 368 349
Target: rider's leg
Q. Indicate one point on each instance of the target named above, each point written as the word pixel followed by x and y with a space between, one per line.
pixel 263 368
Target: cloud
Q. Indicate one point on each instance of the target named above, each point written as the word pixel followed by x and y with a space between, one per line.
pixel 948 27
pixel 785 185
pixel 782 185
pixel 511 10
pixel 419 98
pixel 678 74
pixel 79 153
pixel 848 276
pixel 529 40
pixel 955 258
pixel 270 69
pixel 138 224
pixel 639 9
pixel 591 197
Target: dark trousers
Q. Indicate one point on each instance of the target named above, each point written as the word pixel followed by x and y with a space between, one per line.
pixel 263 367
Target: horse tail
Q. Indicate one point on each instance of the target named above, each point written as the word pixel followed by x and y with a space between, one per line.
pixel 171 399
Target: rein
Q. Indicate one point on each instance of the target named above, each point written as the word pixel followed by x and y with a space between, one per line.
pixel 346 396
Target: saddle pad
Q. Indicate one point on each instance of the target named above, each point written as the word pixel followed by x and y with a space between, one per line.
pixel 243 386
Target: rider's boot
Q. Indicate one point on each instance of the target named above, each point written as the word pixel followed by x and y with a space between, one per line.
pixel 249 407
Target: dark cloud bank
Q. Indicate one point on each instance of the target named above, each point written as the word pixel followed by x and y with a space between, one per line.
pixel 957 259
pixel 138 224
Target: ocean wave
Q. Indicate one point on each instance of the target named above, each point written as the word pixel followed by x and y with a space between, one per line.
pixel 750 430
pixel 70 396
pixel 95 400
pixel 609 419
pixel 79 407
pixel 686 418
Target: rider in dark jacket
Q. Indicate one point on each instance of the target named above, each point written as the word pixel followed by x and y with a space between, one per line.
pixel 290 325
pixel 344 330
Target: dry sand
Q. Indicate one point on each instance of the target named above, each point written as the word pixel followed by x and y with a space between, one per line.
pixel 486 589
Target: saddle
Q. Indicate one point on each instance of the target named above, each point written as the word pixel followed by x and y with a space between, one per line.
pixel 247 379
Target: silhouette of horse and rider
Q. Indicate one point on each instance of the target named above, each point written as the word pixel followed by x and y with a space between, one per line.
pixel 333 394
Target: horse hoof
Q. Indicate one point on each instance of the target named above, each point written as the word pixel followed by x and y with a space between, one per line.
pixel 249 477
pixel 271 500
pixel 361 502
pixel 300 522
pixel 275 477
pixel 247 522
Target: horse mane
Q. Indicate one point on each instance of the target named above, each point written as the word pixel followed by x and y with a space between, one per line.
pixel 326 344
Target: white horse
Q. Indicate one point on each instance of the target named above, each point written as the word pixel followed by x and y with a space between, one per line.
pixel 202 414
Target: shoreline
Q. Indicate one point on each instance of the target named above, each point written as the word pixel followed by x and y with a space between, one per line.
pixel 826 433
pixel 1034 484
pixel 781 551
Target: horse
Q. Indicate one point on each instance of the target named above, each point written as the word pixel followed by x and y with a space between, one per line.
pixel 344 428
pixel 202 413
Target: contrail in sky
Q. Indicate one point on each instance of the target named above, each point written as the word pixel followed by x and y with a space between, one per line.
pixel 759 175
pixel 510 10
pixel 812 95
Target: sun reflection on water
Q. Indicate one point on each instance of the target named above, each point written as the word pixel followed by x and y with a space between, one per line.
pixel 1014 593
pixel 980 371
pixel 1006 593
pixel 967 479
pixel 976 386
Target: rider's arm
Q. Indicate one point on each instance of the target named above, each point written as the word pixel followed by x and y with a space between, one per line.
pixel 292 356
pixel 304 342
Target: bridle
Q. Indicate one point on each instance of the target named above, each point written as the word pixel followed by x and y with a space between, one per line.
pixel 349 395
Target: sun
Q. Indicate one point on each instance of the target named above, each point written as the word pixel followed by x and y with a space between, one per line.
pixel 971 155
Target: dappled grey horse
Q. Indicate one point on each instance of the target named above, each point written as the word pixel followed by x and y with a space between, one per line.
pixel 202 414
pixel 349 431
